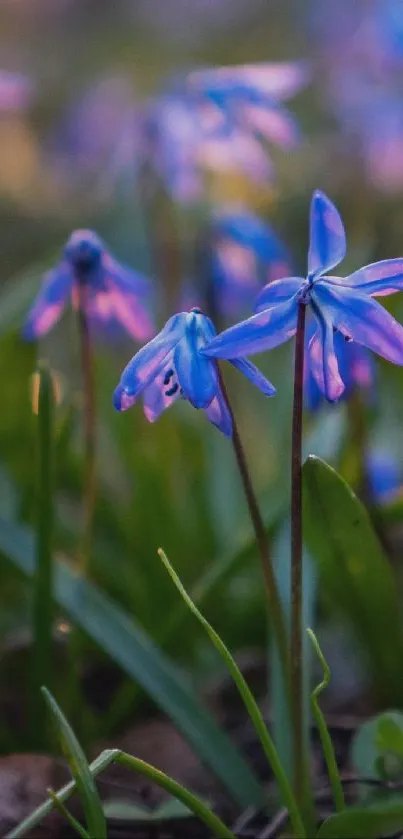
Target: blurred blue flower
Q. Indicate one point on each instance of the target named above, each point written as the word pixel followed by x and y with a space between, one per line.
pixel 248 98
pixel 112 294
pixel 15 92
pixel 345 305
pixel 245 254
pixel 384 474
pixel 355 365
pixel 172 366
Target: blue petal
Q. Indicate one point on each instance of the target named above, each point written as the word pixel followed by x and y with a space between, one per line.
pixel 48 306
pixel 219 414
pixel 256 377
pixel 149 361
pixel 197 374
pixel 261 332
pixel 384 474
pixel 327 237
pixel 361 318
pixel 322 358
pixel 379 278
pixel 277 292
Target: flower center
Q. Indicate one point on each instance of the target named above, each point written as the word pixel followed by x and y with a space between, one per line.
pixel 171 387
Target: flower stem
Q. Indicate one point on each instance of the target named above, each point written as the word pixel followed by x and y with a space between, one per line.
pixel 273 596
pixel 89 431
pixel 296 561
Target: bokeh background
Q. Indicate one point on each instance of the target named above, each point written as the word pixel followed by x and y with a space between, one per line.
pixel 69 159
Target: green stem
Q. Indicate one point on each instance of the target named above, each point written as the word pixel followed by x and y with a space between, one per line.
pixel 41 669
pixel 87 364
pixel 249 702
pixel 325 738
pixel 296 563
pixel 193 802
pixel 273 596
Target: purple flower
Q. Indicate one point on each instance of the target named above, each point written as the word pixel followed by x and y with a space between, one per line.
pixel 345 305
pixel 245 254
pixel 15 92
pixel 172 366
pixel 248 98
pixel 112 294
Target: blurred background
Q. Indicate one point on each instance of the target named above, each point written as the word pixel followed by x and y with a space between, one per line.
pixel 84 112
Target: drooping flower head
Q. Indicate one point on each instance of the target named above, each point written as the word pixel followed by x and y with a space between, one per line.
pixel 112 294
pixel 345 305
pixel 356 367
pixel 172 366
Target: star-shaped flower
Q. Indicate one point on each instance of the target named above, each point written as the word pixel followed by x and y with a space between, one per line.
pixel 172 366
pixel 345 305
pixel 112 294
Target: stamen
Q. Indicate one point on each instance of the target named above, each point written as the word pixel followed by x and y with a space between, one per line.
pixel 172 390
pixel 168 376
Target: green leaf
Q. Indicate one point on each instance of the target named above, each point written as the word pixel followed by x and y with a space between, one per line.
pixel 369 823
pixel 80 771
pixel 170 809
pixel 377 751
pixel 133 650
pixel 74 824
pixel 355 574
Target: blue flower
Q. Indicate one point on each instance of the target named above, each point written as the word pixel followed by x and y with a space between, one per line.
pixel 245 254
pixel 346 305
pixel 355 363
pixel 112 295
pixel 172 366
pixel 384 474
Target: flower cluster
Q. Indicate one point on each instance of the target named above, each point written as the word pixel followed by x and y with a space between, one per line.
pixel 180 360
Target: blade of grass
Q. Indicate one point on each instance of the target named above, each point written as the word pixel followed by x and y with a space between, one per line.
pixel 132 649
pixel 248 699
pixel 77 827
pixel 189 799
pixel 79 768
pixel 325 738
pixel 42 613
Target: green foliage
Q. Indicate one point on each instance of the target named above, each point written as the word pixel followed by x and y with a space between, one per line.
pixel 354 572
pixel 377 751
pixel 369 823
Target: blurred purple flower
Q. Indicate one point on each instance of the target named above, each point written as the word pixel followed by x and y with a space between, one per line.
pixel 112 294
pixel 172 367
pixel 245 254
pixel 99 135
pixel 384 475
pixel 15 92
pixel 361 46
pixel 345 305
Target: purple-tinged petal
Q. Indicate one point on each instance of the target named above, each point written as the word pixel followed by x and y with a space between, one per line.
pixel 237 151
pixel 378 279
pixel 275 124
pixel 277 292
pixel 323 360
pixel 149 361
pixel 259 333
pixel 56 287
pixel 361 318
pixel 121 400
pixel 280 81
pixel 219 414
pixel 327 237
pixel 131 312
pixel 197 374
pixel 161 393
pixel 254 375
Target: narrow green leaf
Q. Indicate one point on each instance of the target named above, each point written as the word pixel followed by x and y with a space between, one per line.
pixel 77 827
pixel 41 666
pixel 355 574
pixel 248 699
pixel 191 801
pixel 369 823
pixel 80 771
pixel 133 650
